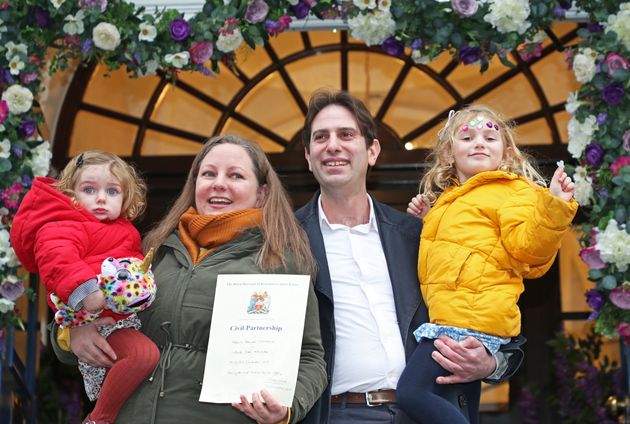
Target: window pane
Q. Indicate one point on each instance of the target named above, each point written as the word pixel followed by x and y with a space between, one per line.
pixel 178 109
pixel 234 127
pixel 371 77
pixel 130 97
pixel 221 87
pixel 161 144
pixel 315 72
pixel 89 133
pixel 513 98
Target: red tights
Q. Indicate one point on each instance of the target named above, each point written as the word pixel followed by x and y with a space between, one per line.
pixel 137 358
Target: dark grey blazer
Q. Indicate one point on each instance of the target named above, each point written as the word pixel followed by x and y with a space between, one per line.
pixel 400 237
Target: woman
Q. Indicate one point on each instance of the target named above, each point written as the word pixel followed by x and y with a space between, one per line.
pixel 232 217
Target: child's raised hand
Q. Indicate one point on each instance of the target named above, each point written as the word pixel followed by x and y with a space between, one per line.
pixel 419 206
pixel 561 185
pixel 94 302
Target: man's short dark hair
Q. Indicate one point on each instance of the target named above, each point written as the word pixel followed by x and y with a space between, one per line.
pixel 323 98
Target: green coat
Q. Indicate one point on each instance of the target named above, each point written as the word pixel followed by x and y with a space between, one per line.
pixel 184 299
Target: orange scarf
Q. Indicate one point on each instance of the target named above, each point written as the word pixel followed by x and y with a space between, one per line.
pixel 201 234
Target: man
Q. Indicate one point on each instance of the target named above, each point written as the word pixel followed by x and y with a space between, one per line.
pixel 367 284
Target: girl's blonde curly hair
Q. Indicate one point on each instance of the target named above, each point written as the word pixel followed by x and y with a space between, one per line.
pixel 134 190
pixel 442 172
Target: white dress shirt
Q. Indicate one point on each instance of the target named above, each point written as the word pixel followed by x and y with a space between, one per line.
pixel 369 352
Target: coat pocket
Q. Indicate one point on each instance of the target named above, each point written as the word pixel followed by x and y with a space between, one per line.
pixel 445 264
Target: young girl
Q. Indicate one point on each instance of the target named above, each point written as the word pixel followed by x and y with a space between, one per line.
pixel 63 231
pixel 491 224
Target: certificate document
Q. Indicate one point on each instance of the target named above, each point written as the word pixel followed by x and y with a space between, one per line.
pixel 255 337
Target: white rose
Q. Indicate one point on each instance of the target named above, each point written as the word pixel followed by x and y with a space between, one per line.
pixel 74 24
pixel 620 24
pixel 613 245
pixel 6 305
pixel 580 134
pixel 150 67
pixel 19 99
pixel 178 60
pixel 229 42
pixel 5 247
pixel 40 159
pixel 5 148
pixel 57 3
pixel 509 15
pixel 573 104
pixel 584 65
pixel 374 28
pixel 293 2
pixel 106 36
pixel 417 57
pixel 147 32
pixel 583 188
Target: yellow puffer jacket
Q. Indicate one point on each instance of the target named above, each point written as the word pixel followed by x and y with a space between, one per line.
pixel 479 241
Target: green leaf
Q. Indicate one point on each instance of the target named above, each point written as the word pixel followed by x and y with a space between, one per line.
pixel 595 274
pixel 5 165
pixel 609 282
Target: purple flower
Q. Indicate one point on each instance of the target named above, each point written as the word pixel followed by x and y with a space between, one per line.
pixel 393 47
pixel 27 128
pixel 620 297
pixel 559 12
pixel 626 140
pixel 87 46
pixel 17 151
pixel 42 18
pixel 27 181
pixel 12 289
pixel 594 154
pixel 5 76
pixel 28 77
pixel 613 94
pixel 276 27
pixel 615 61
pixel 590 256
pixel 594 27
pixel 465 8
pixel 603 193
pixel 201 52
pixel 416 44
pixel 301 10
pixel 601 118
pixel 469 55
pixel 256 11
pixel 180 29
pixel 595 300
pixel 101 4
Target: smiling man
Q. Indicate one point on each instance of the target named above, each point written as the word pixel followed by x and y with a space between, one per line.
pixel 367 284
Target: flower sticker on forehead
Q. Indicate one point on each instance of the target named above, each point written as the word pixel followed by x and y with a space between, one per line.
pixel 478 123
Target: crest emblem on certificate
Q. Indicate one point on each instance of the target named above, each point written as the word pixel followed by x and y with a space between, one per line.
pixel 258 303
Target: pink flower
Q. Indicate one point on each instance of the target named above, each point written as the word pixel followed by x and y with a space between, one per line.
pixel 621 162
pixel 591 257
pixel 201 52
pixel 615 61
pixel 624 332
pixel 231 24
pixel 11 196
pixel 620 296
pixel 4 111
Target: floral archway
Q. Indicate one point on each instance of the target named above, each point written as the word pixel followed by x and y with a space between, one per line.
pixel 118 34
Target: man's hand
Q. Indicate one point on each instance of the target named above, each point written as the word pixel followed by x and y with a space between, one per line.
pixel 267 412
pixel 467 360
pixel 90 346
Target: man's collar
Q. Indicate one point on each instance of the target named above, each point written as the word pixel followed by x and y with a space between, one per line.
pixel 323 219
